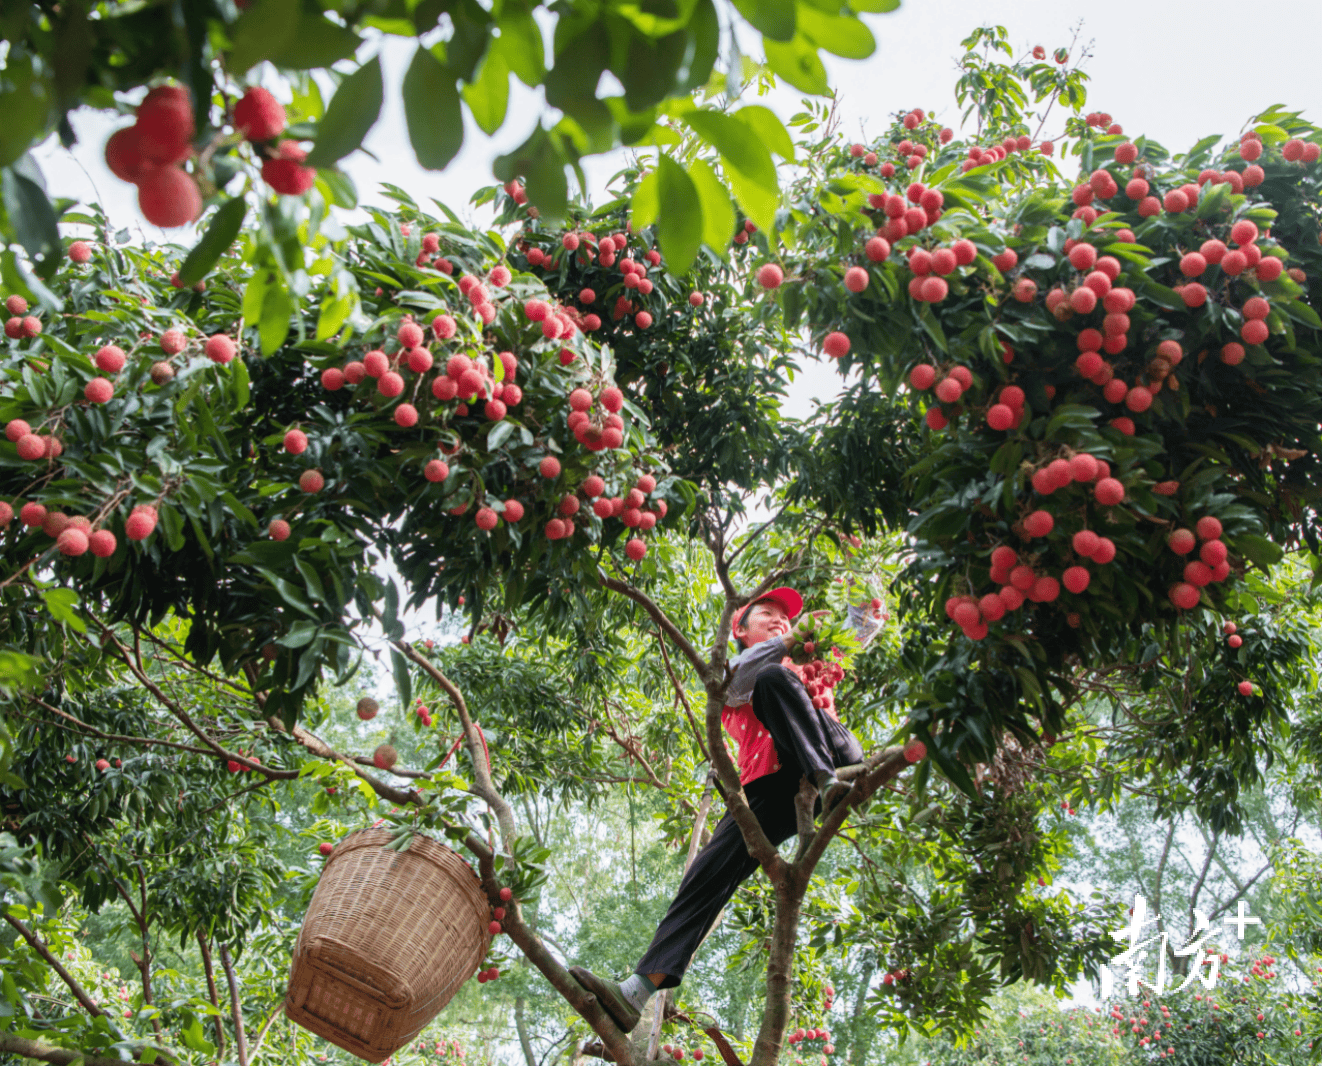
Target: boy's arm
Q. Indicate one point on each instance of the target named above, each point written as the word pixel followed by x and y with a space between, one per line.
pixel 747 664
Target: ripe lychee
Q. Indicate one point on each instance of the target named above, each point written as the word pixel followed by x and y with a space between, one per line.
pixel 770 276
pixel 311 481
pixel 278 529
pixel 286 173
pixel 836 345
pixel 220 348
pixel 367 708
pixel 168 197
pixel 259 116
pixel 99 390
pixel 102 543
pixel 384 757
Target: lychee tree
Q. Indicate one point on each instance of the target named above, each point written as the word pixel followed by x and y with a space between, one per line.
pixel 1119 417
pixel 254 452
pixel 210 126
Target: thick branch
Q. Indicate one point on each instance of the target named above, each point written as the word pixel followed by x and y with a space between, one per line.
pixel 483 786
pixel 35 943
pixel 40 1050
pixel 173 707
pixel 205 948
pixel 536 953
pixel 236 1009
pixel 663 620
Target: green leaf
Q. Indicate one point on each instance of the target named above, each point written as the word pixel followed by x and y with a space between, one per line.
pixel 332 316
pixel 840 35
pixel 680 226
pixel 316 42
pixel 273 327
pixel 338 187
pixel 33 220
pixel 718 217
pixel 798 63
pixel 1256 549
pixel 746 160
pixel 522 46
pixel 299 635
pixel 25 101
pixel 432 111
pixel 63 606
pixel 645 206
pixel 353 111
pixel 403 679
pixel 261 32
pixel 767 125
pixel 488 97
pixel 219 236
pixel 239 378
pixel 771 18
pixel 875 7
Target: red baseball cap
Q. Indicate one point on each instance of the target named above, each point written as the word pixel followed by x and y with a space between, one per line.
pixel 786 597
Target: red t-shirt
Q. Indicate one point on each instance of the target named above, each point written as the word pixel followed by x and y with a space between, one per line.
pixel 757 751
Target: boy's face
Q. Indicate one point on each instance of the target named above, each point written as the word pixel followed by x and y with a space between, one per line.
pixel 762 622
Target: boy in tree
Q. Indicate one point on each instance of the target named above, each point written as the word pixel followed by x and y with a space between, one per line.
pixel 782 737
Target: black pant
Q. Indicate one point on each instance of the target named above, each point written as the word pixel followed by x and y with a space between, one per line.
pixel 807 740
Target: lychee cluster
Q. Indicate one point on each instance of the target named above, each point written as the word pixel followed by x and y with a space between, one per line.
pixel 149 154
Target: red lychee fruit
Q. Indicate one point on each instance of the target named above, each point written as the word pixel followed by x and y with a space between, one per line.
pixel 1246 689
pixel 311 481
pixel 836 345
pixel 102 543
pixel 915 751
pixel 856 279
pixel 140 525
pixel 80 252
pixel 259 116
pixel 296 442
pixel 390 384
pixel 1109 492
pixel 635 549
pixel 168 197
pixel 384 757
pixel 99 390
pixel 770 276
pixel 279 529
pixel 1181 542
pixel 220 348
pixel 1184 596
pixel 286 173
pixel 436 470
pixel 124 156
pixel 173 341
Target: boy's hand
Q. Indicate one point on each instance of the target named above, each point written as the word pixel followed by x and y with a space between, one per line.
pixel 796 635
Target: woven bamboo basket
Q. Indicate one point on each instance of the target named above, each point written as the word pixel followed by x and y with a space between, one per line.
pixel 387 940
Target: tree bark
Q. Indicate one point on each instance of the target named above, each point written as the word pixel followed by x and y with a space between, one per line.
pixel 211 989
pixel 857 1050
pixel 236 1009
pixel 521 1026
pixel 40 1050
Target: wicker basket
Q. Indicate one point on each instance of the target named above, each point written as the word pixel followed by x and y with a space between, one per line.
pixel 388 939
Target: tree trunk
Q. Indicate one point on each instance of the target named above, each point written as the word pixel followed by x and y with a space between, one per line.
pixel 211 989
pixel 236 1009
pixel 856 1048
pixel 522 1027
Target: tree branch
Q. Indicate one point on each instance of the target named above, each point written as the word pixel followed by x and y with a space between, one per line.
pixel 43 1052
pixel 483 786
pixel 205 948
pixel 35 943
pixel 236 1009
pixel 660 617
